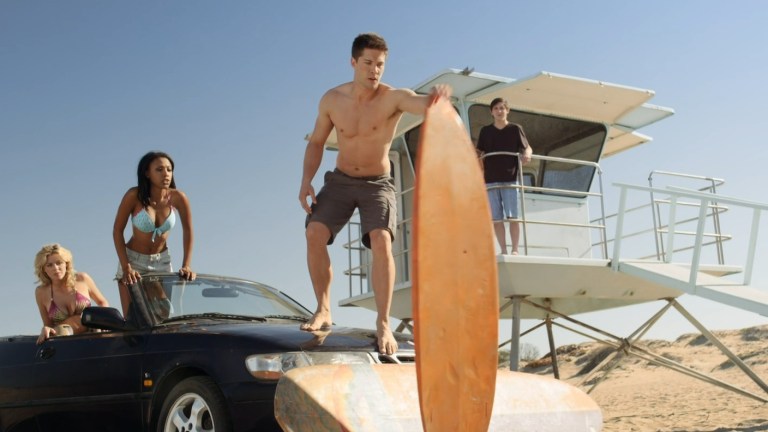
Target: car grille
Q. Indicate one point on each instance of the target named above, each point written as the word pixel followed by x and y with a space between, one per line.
pixel 401 357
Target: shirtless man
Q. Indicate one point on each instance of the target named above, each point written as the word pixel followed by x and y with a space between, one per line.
pixel 365 113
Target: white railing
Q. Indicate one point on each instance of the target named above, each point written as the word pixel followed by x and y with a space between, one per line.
pixel 598 223
pixel 710 185
pixel 706 201
pixel 359 267
pixel 658 228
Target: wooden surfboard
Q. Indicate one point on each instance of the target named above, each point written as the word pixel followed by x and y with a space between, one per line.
pixel 383 398
pixel 455 289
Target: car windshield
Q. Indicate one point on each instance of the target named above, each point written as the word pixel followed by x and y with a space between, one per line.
pixel 168 297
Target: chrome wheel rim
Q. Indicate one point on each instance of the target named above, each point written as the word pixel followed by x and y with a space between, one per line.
pixel 190 413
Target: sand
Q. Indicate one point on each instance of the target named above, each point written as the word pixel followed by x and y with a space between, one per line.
pixel 639 396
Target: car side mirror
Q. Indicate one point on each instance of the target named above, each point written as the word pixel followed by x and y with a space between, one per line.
pixel 105 318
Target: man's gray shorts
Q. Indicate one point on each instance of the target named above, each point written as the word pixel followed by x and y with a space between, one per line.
pixel 341 194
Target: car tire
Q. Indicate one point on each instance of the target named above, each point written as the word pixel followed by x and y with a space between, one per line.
pixel 194 404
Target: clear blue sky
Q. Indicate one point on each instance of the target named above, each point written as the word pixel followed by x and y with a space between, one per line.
pixel 230 89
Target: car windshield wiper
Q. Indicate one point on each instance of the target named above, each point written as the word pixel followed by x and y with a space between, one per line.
pixel 287 317
pixel 216 315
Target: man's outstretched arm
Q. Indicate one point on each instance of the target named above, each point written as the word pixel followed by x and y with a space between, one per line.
pixel 417 104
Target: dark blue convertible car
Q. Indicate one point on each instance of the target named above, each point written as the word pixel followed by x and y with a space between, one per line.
pixel 191 356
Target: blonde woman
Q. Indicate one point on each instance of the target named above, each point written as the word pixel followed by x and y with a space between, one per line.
pixel 63 293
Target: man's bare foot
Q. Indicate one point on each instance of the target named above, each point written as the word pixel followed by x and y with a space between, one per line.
pixel 319 321
pixel 317 340
pixel 387 342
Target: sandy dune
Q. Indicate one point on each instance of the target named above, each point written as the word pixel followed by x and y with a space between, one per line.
pixel 639 396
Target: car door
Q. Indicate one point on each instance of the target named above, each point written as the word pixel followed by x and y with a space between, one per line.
pixel 17 355
pixel 90 381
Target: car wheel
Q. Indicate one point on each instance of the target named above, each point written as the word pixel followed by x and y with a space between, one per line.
pixel 195 404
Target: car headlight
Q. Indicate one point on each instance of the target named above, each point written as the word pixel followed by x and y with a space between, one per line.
pixel 271 367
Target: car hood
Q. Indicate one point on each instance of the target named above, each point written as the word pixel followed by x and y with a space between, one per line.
pixel 287 336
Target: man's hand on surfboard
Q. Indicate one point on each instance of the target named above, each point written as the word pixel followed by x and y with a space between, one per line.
pixel 440 91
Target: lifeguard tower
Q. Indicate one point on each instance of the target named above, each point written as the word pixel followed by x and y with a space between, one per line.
pixel 664 241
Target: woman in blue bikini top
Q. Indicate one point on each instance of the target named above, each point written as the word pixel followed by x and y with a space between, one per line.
pixel 143 221
pixel 63 293
pixel 152 207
